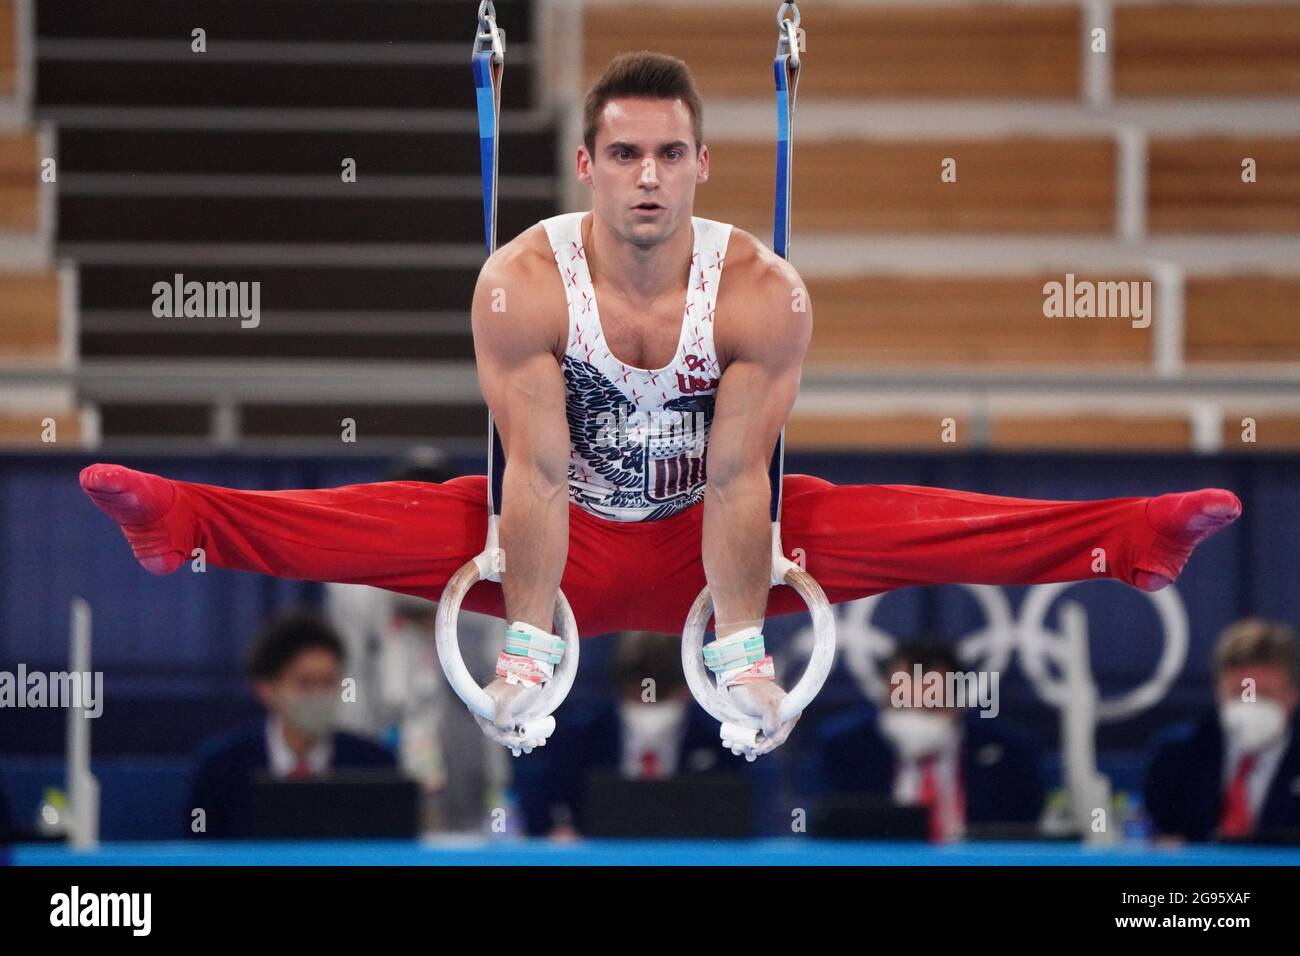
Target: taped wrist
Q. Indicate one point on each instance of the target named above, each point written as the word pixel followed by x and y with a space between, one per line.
pixel 530 655
pixel 739 658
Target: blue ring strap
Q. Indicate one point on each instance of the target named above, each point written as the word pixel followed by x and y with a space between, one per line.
pixel 785 71
pixel 489 68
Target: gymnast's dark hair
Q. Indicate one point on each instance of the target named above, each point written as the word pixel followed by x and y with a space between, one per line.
pixel 284 637
pixel 643 75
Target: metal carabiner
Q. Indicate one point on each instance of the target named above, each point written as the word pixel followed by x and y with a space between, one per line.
pixel 780 13
pixel 489 34
pixel 787 43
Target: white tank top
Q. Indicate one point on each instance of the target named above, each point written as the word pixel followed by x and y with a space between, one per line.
pixel 637 437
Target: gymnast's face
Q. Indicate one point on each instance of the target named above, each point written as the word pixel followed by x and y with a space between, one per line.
pixel 645 153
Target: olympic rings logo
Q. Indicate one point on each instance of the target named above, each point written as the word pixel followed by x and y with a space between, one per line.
pixel 865 646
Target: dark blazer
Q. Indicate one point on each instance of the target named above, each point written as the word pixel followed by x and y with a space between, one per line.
pixel 8 829
pixel 1000 771
pixel 223 781
pixel 590 737
pixel 1184 782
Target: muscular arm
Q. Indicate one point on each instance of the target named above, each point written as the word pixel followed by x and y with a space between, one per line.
pixel 764 348
pixel 522 383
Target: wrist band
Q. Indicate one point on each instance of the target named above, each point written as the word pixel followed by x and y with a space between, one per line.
pixel 530 655
pixel 524 640
pixel 739 658
pixel 764 669
pixel 735 650
pixel 516 669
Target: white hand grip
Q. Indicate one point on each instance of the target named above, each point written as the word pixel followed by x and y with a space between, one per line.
pixel 720 705
pixel 458 676
pixel 540 728
pixel 741 741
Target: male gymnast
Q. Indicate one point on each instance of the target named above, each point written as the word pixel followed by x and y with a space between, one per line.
pixel 612 417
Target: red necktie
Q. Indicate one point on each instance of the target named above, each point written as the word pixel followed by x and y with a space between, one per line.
pixel 959 799
pixel 649 764
pixel 301 770
pixel 1235 820
pixel 929 797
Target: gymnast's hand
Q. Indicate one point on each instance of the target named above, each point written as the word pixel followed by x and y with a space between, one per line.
pixel 762 699
pixel 509 699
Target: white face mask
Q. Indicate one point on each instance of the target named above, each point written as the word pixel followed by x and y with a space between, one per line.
pixel 916 733
pixel 1252 725
pixel 313 714
pixel 645 721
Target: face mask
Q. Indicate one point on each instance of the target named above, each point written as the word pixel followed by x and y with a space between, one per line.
pixel 916 733
pixel 652 721
pixel 313 714
pixel 1252 726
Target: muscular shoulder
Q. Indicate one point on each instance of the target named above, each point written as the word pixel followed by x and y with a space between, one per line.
pixel 761 298
pixel 527 262
pixel 519 282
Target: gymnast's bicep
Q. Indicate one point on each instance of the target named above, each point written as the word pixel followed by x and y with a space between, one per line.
pixel 761 379
pixel 518 371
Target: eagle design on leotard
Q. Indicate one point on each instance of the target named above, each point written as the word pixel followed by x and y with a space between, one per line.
pixel 636 470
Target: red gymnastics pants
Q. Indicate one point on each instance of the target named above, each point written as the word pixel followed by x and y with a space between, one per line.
pixel 857 540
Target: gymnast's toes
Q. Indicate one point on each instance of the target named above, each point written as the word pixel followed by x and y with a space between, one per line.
pixel 137 502
pixel 1188 519
pixel 1181 522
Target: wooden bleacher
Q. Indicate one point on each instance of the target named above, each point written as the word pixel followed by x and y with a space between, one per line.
pixel 966 51
pixel 920 432
pixel 1198 49
pixel 31 335
pixel 883 321
pixel 1013 184
pixel 842 432
pixel 1035 175
pixel 8 48
pixel 25 428
pixel 993 321
pixel 19 168
pixel 31 327
pixel 1196 184
pixel 30 332
pixel 1243 318
pixel 1273 432
pixel 1062 431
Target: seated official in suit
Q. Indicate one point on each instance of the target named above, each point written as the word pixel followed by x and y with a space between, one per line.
pixel 651 730
pixel 296 668
pixel 948 759
pixel 1235 773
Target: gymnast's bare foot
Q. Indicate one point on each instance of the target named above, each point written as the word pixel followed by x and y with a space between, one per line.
pixel 1182 521
pixel 138 502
